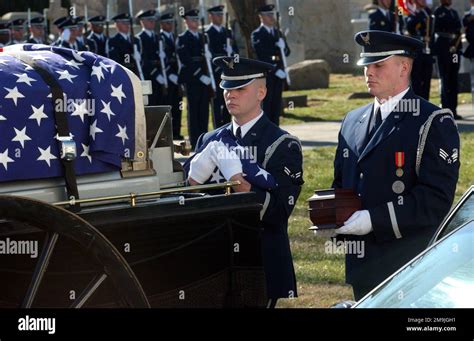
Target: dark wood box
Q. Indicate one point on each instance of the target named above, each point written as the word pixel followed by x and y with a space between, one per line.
pixel 329 208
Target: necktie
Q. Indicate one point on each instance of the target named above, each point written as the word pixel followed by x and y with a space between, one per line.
pixel 375 123
pixel 238 133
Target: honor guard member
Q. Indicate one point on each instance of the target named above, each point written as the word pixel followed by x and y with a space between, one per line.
pixel 80 39
pixel 150 48
pixel 278 152
pixel 381 19
pixel 400 154
pixel 468 22
pixel 17 28
pixel 173 96
pixel 97 40
pixel 266 41
pixel 447 48
pixel 57 23
pixel 37 35
pixel 194 75
pixel 4 33
pixel 218 36
pixel 69 35
pixel 120 46
pixel 417 26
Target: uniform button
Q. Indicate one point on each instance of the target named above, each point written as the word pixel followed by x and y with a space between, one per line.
pixel 361 175
pixel 359 194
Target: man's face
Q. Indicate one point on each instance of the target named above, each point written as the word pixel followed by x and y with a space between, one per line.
pixel 385 78
pixel 267 19
pixel 241 102
pixel 216 19
pixel 193 24
pixel 37 31
pixel 74 33
pixel 18 33
pixel 123 26
pixel 447 2
pixel 167 26
pixel 385 3
pixel 97 28
pixel 148 24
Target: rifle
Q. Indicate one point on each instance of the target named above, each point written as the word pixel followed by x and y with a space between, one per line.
pixel 162 58
pixel 86 19
pixel 135 49
pixel 428 32
pixel 282 50
pixel 29 22
pixel 107 19
pixel 228 37
pixel 205 42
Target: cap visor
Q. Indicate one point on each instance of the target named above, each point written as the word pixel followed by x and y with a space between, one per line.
pixel 372 60
pixel 231 85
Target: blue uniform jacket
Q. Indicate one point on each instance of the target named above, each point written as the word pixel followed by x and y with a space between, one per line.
pixel 405 210
pixel 264 45
pixel 279 153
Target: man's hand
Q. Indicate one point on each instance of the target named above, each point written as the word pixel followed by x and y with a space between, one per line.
pixel 280 43
pixel 358 224
pixel 244 184
pixel 205 80
pixel 173 78
pixel 228 161
pixel 280 74
pixel 202 165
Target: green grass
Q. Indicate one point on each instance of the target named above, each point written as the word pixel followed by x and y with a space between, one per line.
pixel 320 275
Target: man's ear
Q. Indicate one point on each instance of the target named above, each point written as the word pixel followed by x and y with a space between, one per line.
pixel 262 92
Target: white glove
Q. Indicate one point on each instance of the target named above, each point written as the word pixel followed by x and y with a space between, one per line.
pixel 228 161
pixel 162 54
pixel 229 49
pixel 280 43
pixel 208 54
pixel 66 34
pixel 280 74
pixel 137 56
pixel 325 233
pixel 160 79
pixel 173 78
pixel 205 79
pixel 358 224
pixel 202 165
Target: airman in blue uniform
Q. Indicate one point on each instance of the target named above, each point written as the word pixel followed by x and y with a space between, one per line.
pixel 97 40
pixel 400 154
pixel 447 48
pixel 266 41
pixel 381 19
pixel 278 152
pixel 218 36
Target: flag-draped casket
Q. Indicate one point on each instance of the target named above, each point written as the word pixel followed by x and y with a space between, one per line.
pixel 102 101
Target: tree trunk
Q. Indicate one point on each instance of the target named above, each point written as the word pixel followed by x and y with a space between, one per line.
pixel 246 12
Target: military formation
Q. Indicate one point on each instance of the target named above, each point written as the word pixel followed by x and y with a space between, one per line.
pixel 176 64
pixel 440 29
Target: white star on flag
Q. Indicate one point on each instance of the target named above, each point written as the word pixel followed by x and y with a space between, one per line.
pixel 46 155
pixel 24 78
pixel 117 92
pixel 97 71
pixel 106 109
pixel 262 172
pixel 38 114
pixel 122 133
pixel 77 56
pixel 216 176
pixel 14 94
pixel 72 63
pixel 94 130
pixel 80 110
pixel 43 58
pixel 66 75
pixel 4 159
pixel 85 153
pixel 2 118
pixel 105 66
pixel 21 136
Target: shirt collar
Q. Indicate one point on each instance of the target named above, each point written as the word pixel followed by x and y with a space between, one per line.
pixel 387 107
pixel 124 35
pixel 217 28
pixel 196 34
pixel 149 32
pixel 268 28
pixel 383 10
pixel 244 128
pixel 167 34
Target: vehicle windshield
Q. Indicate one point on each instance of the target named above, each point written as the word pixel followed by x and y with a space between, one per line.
pixel 464 214
pixel 441 277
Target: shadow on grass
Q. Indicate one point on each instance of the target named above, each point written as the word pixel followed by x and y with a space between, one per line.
pixel 303 118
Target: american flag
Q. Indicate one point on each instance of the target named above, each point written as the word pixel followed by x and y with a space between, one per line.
pixel 252 171
pixel 100 109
